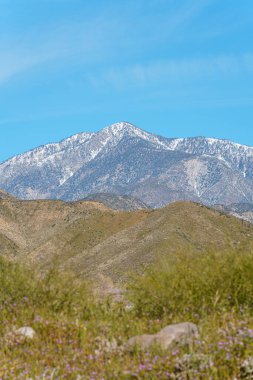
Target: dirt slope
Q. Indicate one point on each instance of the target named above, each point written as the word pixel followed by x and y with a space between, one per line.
pixel 95 241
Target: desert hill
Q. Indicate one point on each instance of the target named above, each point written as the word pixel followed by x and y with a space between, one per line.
pixel 92 240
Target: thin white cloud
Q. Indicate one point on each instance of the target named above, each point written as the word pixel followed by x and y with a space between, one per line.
pixel 86 41
pixel 15 62
pixel 173 71
pixel 248 60
pixel 111 32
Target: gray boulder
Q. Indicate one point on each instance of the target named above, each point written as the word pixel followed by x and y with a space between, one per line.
pixel 26 332
pixel 19 336
pixel 168 338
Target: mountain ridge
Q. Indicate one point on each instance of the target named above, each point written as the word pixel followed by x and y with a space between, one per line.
pixel 117 202
pixel 139 163
pixel 90 239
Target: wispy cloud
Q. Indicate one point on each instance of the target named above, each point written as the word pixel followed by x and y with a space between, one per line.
pixel 85 40
pixel 15 62
pixel 100 38
pixel 171 71
pixel 138 47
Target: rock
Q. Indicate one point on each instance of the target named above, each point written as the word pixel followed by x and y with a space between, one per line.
pixel 142 342
pixel 26 332
pixel 106 288
pixel 19 336
pixel 246 369
pixel 167 338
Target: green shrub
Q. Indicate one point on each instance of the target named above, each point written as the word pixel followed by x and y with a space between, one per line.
pixel 15 282
pixel 196 284
pixel 57 292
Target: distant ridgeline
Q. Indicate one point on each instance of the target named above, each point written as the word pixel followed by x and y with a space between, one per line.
pixel 124 160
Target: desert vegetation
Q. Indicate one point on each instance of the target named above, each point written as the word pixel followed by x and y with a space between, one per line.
pixel 79 337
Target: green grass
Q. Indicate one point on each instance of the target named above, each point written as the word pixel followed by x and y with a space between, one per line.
pixel 78 337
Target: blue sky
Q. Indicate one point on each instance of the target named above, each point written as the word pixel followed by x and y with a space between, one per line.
pixel 173 67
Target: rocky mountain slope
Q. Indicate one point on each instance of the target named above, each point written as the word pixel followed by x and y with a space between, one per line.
pixel 117 202
pixel 240 210
pixel 5 195
pixel 94 241
pixel 126 160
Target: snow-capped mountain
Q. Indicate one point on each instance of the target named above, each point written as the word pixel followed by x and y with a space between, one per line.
pixel 126 160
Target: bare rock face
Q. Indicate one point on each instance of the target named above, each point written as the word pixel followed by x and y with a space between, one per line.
pixel 168 338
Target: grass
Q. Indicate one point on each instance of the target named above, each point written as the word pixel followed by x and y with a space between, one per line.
pixel 78 337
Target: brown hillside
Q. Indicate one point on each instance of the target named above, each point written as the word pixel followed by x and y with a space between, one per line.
pixel 93 240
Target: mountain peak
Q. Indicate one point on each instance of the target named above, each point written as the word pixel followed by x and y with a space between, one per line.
pixel 124 159
pixel 122 126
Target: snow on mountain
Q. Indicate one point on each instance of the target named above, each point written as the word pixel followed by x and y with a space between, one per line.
pixel 125 160
pixel 233 154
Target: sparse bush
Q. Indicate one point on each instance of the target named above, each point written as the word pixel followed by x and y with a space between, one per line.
pixel 15 282
pixel 195 284
pixel 57 292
